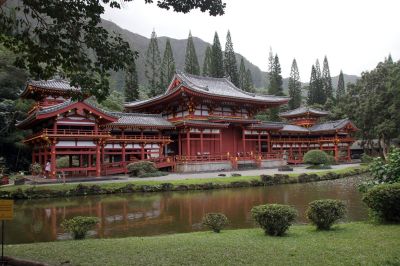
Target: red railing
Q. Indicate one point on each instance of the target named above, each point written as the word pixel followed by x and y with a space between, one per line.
pixel 139 137
pixel 202 158
pixel 306 140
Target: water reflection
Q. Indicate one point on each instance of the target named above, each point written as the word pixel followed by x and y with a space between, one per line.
pixel 164 213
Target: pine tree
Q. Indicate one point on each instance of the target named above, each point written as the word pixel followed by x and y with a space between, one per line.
pixel 152 66
pixel 191 62
pixel 270 67
pixel 341 89
pixel 131 91
pixel 327 80
pixel 249 86
pixel 242 75
pixel 312 86
pixel 275 78
pixel 319 86
pixel 217 60
pixel 294 87
pixel 230 60
pixel 167 66
pixel 207 62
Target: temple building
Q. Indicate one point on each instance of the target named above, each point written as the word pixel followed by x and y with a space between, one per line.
pixel 198 124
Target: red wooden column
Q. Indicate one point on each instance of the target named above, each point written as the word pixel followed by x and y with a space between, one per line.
pixel 348 153
pixel 46 151
pixel 141 146
pixel 40 161
pixel 244 141
pixel 188 142
pixel 98 161
pixel 179 143
pixel 220 141
pixel 123 144
pixel 201 142
pixel 53 159
pixel 336 149
pixel 259 143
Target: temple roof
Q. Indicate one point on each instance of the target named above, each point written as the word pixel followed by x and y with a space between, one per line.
pixel 217 87
pixel 267 125
pixel 201 123
pixel 139 120
pixel 332 125
pixel 302 111
pixel 294 128
pixel 53 86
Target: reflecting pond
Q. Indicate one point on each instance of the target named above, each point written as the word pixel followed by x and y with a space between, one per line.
pixel 171 212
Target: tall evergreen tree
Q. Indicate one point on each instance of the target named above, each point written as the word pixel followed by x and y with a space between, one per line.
pixel 249 86
pixel 207 62
pixel 327 80
pixel 321 97
pixel 191 62
pixel 270 60
pixel 341 89
pixel 242 75
pixel 275 78
pixel 294 87
pixel 167 66
pixel 217 60
pixel 152 66
pixel 230 60
pixel 131 90
pixel 311 99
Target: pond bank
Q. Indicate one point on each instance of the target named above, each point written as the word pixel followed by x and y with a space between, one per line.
pixel 68 190
pixel 346 244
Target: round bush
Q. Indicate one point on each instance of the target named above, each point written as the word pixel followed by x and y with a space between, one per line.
pixel 141 168
pixel 215 221
pixel 315 157
pixel 275 219
pixel 384 201
pixel 79 225
pixel 323 213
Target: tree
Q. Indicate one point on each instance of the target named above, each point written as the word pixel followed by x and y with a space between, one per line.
pixel 191 61
pixel 131 91
pixel 327 80
pixel 207 62
pixel 319 86
pixel 341 88
pixel 217 60
pixel 294 87
pixel 311 99
pixel 249 86
pixel 230 61
pixel 167 66
pixel 242 75
pixel 275 86
pixel 152 66
pixel 51 36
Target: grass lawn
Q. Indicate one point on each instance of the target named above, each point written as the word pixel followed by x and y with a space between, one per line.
pixel 347 244
pixel 217 180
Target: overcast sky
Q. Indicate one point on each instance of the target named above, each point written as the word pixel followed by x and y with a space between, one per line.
pixel 354 34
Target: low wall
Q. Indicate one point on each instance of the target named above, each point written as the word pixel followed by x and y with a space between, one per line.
pixel 203 166
pixel 272 163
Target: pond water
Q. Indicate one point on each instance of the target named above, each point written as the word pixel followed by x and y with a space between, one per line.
pixel 171 212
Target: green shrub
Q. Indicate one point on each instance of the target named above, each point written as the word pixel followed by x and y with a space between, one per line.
pixel 153 174
pixel 275 219
pixel 331 160
pixel 35 168
pixel 323 213
pixel 389 171
pixel 319 167
pixel 215 221
pixel 79 225
pixel 315 157
pixel 365 158
pixel 384 201
pixel 141 168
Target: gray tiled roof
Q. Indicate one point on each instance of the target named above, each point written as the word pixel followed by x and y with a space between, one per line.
pixel 304 110
pixel 214 86
pixel 330 126
pixel 267 125
pixel 294 128
pixel 140 120
pixel 53 108
pixel 58 84
pixel 202 123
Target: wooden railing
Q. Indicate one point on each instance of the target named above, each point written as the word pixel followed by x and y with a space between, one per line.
pixel 139 137
pixel 311 140
pixel 203 158
pixel 225 157
pixel 121 167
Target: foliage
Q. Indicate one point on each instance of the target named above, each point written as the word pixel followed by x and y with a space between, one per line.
pixel 114 102
pixel 217 60
pixel 191 62
pixel 141 168
pixel 327 80
pixel 131 90
pixel 275 219
pixel 79 225
pixel 249 85
pixel 35 168
pixel 152 66
pixel 230 61
pixel 315 157
pixel 167 66
pixel 384 201
pixel 341 88
pixel 331 159
pixel 51 36
pixel 389 171
pixel 323 213
pixel 365 158
pixel 215 221
pixel 275 83
pixel 242 75
pixel 207 62
pixel 316 94
pixel 294 87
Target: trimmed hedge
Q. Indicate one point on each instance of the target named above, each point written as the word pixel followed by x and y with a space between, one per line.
pixel 275 219
pixel 79 225
pixel 323 213
pixel 215 221
pixel 142 169
pixel 384 201
pixel 315 157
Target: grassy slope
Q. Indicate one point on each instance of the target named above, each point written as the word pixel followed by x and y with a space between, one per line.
pixel 218 180
pixel 347 244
